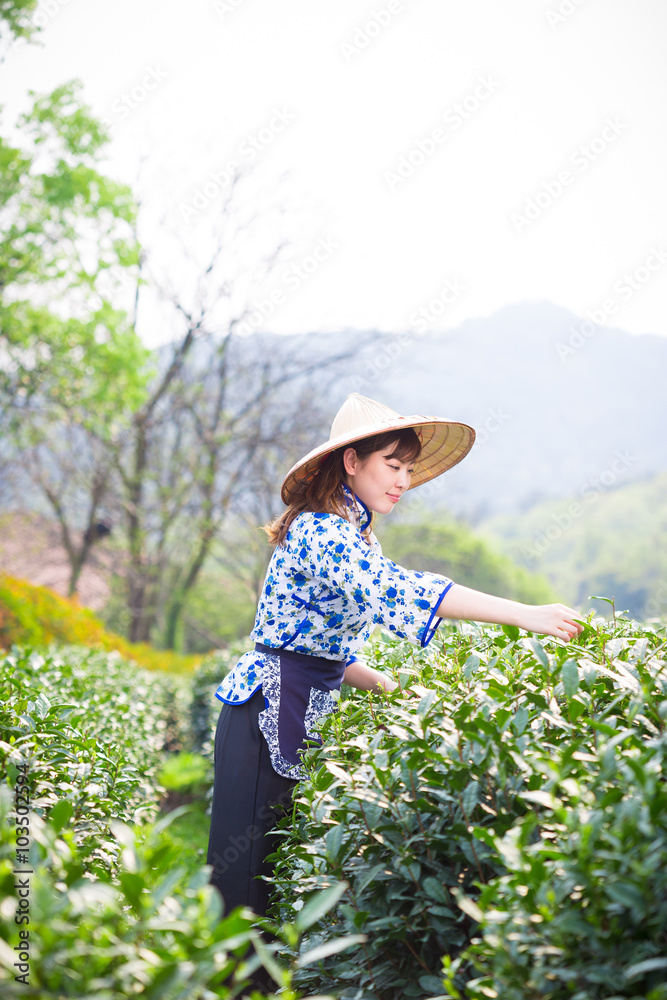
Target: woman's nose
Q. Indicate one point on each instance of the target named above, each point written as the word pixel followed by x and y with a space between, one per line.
pixel 403 479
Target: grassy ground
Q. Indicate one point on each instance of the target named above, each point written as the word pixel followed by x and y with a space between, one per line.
pixel 187 778
pixel 188 833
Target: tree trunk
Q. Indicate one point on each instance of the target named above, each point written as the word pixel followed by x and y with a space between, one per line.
pixel 142 607
pixel 177 604
pixel 136 592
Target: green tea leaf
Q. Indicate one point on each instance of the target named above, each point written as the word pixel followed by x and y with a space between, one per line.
pixel 470 798
pixel 575 709
pixel 430 984
pixel 469 906
pixel 520 720
pixel 540 798
pixel 426 702
pixel 330 948
pixel 471 666
pixel 435 889
pixel 641 968
pixel 315 908
pixel 570 677
pixel 626 894
pixel 539 651
pixel 61 814
pixel 334 841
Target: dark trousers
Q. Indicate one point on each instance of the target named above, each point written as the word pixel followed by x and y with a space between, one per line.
pixel 248 799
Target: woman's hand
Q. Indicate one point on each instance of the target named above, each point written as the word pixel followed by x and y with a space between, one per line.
pixel 359 675
pixel 551 619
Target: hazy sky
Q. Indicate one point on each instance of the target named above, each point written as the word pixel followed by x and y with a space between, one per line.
pixel 448 157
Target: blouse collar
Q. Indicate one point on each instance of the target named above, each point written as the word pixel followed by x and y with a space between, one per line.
pixel 361 515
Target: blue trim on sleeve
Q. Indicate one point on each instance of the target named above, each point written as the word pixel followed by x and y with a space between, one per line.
pixel 426 638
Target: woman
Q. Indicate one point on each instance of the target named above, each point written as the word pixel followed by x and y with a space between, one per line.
pixel 326 588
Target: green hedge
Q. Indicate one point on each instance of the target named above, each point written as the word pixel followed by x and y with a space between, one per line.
pixel 94 728
pixel 511 821
pixel 96 899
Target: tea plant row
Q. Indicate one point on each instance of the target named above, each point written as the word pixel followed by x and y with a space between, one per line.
pixel 510 820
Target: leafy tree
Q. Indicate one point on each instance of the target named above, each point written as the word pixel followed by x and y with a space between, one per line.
pixel 73 364
pixel 64 225
pixel 200 455
pixel 16 21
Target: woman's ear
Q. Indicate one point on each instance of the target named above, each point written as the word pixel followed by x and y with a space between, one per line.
pixel 350 461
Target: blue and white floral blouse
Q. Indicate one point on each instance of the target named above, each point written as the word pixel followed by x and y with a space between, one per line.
pixel 324 593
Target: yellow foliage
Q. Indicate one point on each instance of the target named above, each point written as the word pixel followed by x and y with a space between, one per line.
pixel 37 616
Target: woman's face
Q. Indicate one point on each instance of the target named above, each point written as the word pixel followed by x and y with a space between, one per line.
pixel 378 479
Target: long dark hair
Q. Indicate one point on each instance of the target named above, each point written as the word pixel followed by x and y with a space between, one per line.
pixel 324 492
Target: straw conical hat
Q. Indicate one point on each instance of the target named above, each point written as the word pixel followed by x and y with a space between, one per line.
pixel 444 442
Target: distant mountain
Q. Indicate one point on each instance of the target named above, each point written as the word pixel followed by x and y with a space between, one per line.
pixel 560 407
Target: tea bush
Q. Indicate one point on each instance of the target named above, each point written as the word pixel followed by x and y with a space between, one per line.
pixel 93 937
pixel 499 832
pixel 149 931
pixel 477 803
pixel 93 728
pixel 582 912
pixel 94 898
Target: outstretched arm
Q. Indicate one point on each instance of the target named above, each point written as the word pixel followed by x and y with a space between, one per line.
pixel 473 605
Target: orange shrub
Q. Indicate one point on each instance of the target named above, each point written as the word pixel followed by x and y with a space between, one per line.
pixel 37 616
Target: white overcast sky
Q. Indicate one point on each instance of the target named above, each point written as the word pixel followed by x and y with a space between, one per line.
pixel 559 75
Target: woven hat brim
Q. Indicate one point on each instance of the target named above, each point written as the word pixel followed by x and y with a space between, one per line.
pixel 444 444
